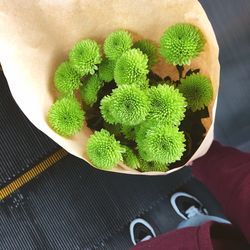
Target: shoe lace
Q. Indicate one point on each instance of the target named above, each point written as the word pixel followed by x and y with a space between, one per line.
pixel 148 237
pixel 192 211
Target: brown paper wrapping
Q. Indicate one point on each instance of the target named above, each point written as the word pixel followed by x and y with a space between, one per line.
pixel 36 36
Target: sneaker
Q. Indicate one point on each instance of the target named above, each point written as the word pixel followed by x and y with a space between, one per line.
pixel 141 230
pixel 187 205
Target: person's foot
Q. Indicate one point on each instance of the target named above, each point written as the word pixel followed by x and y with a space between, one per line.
pixel 192 211
pixel 141 230
pixel 187 205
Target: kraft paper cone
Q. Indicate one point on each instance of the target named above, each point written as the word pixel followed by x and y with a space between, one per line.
pixel 36 36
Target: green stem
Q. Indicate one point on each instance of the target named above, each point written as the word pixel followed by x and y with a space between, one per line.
pixel 180 69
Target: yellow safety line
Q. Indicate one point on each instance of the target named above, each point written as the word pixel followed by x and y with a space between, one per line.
pixel 32 173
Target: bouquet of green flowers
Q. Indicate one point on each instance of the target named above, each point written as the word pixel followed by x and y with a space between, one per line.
pixel 131 95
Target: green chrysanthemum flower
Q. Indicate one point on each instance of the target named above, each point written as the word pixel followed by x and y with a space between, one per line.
pixel 114 129
pixel 149 49
pixel 142 128
pixel 198 91
pixel 161 167
pixel 144 85
pixel 66 79
pixel 146 166
pixel 117 43
pixel 103 150
pixel 167 105
pixel 130 158
pixel 180 43
pixel 90 88
pixel 85 56
pixel 143 151
pixel 106 109
pixel 163 144
pixel 164 83
pixel 128 132
pixel 106 70
pixel 66 116
pixel 131 68
pixel 129 105
pixel 140 137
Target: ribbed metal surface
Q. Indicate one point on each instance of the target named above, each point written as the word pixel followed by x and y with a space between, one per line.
pixel 72 206
pixel 32 173
pixel 21 144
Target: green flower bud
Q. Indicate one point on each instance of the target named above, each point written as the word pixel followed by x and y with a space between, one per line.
pixel 129 105
pixel 116 44
pixel 167 105
pixel 90 88
pixel 146 166
pixel 180 43
pixel 198 91
pixel 66 116
pixel 107 111
pixel 149 49
pixel 128 132
pixel 131 68
pixel 106 70
pixel 103 150
pixel 163 144
pixel 85 56
pixel 130 158
pixel 66 79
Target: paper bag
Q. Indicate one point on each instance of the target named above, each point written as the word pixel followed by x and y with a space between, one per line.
pixel 36 36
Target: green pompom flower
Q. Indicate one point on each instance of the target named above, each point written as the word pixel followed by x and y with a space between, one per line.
pixel 161 167
pixel 130 158
pixel 128 132
pixel 167 105
pixel 163 82
pixel 66 116
pixel 142 128
pixel 131 68
pixel 141 133
pixel 85 56
pixel 163 144
pixel 180 43
pixel 144 85
pixel 198 91
pixel 103 150
pixel 129 105
pixel 149 49
pixel 106 70
pixel 66 79
pixel 106 109
pixel 143 151
pixel 146 166
pixel 90 88
pixel 117 43
pixel 114 129
pixel 140 138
